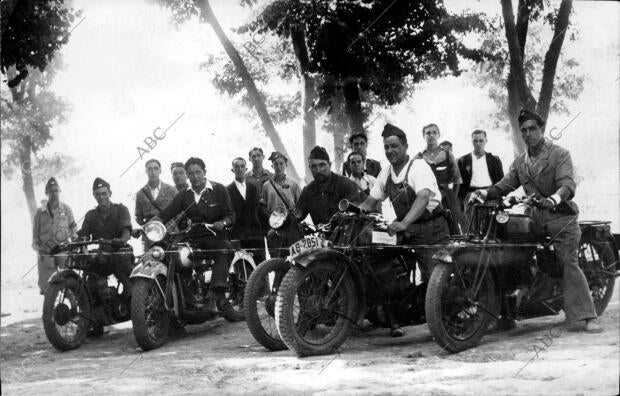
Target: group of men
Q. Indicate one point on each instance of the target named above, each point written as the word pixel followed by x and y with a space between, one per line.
pixel 420 188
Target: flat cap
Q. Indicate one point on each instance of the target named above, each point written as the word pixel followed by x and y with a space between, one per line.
pixel 275 155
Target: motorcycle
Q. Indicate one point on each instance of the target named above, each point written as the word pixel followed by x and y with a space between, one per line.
pixel 354 270
pixel 171 284
pixel 81 295
pixel 265 280
pixel 508 267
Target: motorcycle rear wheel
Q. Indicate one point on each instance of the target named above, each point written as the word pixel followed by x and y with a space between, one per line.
pixel 307 323
pixel 260 300
pixel 595 259
pixel 151 321
pixel 454 316
pixel 57 316
pixel 237 284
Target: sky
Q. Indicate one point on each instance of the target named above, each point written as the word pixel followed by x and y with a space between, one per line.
pixel 128 71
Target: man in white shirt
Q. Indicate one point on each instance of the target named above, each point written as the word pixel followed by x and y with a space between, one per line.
pixel 412 188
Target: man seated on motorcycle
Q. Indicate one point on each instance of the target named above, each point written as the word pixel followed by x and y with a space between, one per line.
pixel 320 198
pixel 546 171
pixel 112 222
pixel 412 188
pixel 207 202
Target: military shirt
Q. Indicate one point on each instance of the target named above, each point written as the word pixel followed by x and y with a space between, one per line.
pixel 52 228
pixel 259 180
pixel 320 200
pixel 108 225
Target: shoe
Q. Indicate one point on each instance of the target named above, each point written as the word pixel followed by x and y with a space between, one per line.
pixel 96 331
pixel 228 312
pixel 503 324
pixel 397 332
pixel 593 326
pixel 210 306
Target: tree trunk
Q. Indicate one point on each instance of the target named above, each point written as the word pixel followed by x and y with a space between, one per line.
pixel 26 170
pixel 353 106
pixel 308 93
pixel 248 81
pixel 339 145
pixel 551 59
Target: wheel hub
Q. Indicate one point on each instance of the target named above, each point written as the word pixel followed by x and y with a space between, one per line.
pixel 62 314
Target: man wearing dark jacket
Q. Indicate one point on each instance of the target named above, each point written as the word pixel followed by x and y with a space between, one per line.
pixel 479 169
pixel 244 197
pixel 207 202
pixel 359 143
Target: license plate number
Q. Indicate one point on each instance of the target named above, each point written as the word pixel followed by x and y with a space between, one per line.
pixel 303 245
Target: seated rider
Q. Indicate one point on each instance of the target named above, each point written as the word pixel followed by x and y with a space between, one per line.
pixel 112 222
pixel 413 191
pixel 320 198
pixel 207 202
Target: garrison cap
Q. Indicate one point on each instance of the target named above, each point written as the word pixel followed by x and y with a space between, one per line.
pixel 51 183
pixel 319 153
pixel 525 115
pixel 391 130
pixel 99 182
pixel 275 155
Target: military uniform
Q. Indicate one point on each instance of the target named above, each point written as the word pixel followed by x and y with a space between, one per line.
pixel 320 200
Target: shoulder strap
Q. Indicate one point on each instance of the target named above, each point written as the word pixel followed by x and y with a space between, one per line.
pixel 148 196
pixel 279 195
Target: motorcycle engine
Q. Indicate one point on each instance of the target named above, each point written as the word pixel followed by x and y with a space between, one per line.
pixel 393 277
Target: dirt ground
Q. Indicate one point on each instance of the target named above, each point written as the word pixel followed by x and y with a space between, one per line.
pixel 223 358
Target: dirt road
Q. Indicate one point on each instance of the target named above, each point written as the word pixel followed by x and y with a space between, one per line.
pixel 223 358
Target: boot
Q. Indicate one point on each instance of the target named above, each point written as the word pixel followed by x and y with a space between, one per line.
pixel 228 312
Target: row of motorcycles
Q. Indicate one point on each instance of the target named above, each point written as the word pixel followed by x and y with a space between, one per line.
pixel 319 283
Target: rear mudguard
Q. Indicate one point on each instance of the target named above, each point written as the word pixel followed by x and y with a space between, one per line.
pixel 149 269
pixel 306 259
pixel 600 231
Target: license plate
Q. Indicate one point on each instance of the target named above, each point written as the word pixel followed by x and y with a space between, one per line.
pixel 303 245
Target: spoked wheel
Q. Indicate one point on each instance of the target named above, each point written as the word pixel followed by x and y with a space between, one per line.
pixel 457 305
pixel 315 308
pixel 151 321
pixel 66 314
pixel 238 277
pixel 260 302
pixel 597 262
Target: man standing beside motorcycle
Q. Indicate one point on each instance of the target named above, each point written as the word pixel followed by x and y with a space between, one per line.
pixel 207 202
pixel 545 171
pixel 412 188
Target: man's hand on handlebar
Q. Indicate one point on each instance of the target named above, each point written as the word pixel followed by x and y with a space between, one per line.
pixel 396 226
pixel 546 203
pixel 479 196
pixel 218 225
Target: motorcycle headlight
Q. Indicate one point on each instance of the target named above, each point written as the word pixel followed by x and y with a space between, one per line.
pixel 155 231
pixel 184 254
pixel 502 217
pixel 157 252
pixel 277 218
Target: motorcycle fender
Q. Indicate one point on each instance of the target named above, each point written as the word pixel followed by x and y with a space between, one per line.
pixel 149 269
pixel 306 259
pixel 242 255
pixel 62 275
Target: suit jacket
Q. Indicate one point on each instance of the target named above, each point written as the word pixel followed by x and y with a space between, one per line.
pixel 247 225
pixel 552 170
pixel 145 209
pixel 372 168
pixel 494 165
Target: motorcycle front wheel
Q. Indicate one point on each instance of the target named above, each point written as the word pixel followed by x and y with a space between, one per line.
pixel 237 282
pixel 455 311
pixel 598 264
pixel 66 314
pixel 150 319
pixel 315 308
pixel 260 302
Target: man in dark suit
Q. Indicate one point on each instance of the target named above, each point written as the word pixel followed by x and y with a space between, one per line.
pixel 244 197
pixel 479 169
pixel 358 143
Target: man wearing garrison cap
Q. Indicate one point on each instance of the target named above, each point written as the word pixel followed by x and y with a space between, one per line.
pixel 411 186
pixel 53 225
pixel 320 198
pixel 546 171
pixel 110 221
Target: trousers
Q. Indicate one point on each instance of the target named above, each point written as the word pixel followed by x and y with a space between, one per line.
pixel 222 255
pixel 566 235
pixel 47 264
pixel 432 232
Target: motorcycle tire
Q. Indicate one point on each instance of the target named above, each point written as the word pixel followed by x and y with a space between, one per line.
pixel 150 320
pixel 304 289
pixel 260 300
pixel 55 316
pixel 237 284
pixel 597 261
pixel 446 307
